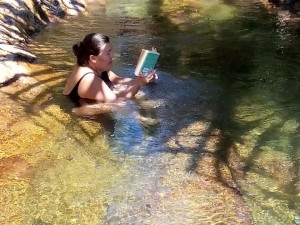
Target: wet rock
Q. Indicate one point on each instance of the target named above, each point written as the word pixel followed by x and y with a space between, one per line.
pixel 21 19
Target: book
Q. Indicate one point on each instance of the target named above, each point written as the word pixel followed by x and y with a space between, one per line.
pixel 146 61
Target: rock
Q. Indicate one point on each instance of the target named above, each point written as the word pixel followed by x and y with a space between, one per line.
pixel 15 51
pixel 10 70
pixel 21 19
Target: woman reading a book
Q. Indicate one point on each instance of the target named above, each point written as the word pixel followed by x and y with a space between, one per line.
pixel 92 81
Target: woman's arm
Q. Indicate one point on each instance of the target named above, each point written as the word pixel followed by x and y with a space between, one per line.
pixel 132 88
pixel 93 87
pixel 115 79
pixel 133 85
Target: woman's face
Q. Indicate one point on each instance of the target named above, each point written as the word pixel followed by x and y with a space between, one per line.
pixel 104 59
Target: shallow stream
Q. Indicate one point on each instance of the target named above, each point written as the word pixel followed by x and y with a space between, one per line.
pixel 215 141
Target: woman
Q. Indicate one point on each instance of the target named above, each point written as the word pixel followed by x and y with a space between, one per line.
pixel 92 81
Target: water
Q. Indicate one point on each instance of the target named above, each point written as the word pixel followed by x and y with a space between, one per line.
pixel 215 141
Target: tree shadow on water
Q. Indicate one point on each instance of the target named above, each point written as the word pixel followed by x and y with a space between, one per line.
pixel 35 97
pixel 228 57
pixel 234 59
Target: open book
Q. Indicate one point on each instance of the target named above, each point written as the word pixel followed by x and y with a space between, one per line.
pixel 146 62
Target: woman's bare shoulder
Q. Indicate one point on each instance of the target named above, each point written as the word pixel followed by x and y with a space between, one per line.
pixel 74 77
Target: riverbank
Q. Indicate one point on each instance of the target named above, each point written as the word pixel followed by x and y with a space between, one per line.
pixel 19 21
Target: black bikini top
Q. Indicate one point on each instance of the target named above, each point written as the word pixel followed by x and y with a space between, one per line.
pixel 74 93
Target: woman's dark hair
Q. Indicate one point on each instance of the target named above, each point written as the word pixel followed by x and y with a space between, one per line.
pixel 90 45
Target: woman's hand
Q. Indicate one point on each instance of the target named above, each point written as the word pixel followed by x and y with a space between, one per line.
pixel 148 79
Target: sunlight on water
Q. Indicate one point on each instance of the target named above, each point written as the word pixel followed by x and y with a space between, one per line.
pixel 72 170
pixel 162 161
pixel 72 189
pixel 131 8
pixel 267 157
pixel 197 11
pixel 57 165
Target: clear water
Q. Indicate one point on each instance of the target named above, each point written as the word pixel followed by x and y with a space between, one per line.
pixel 215 141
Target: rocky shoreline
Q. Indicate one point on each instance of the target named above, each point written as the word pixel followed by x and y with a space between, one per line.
pixel 20 20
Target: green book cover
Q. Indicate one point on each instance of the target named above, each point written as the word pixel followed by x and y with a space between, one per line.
pixel 146 62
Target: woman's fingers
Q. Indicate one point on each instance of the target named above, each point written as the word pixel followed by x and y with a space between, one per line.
pixel 153 77
pixel 150 78
pixel 154 49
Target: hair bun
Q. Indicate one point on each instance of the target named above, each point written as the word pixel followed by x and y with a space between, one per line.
pixel 76 48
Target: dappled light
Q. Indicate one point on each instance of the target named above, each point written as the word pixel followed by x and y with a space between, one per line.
pixel 214 141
